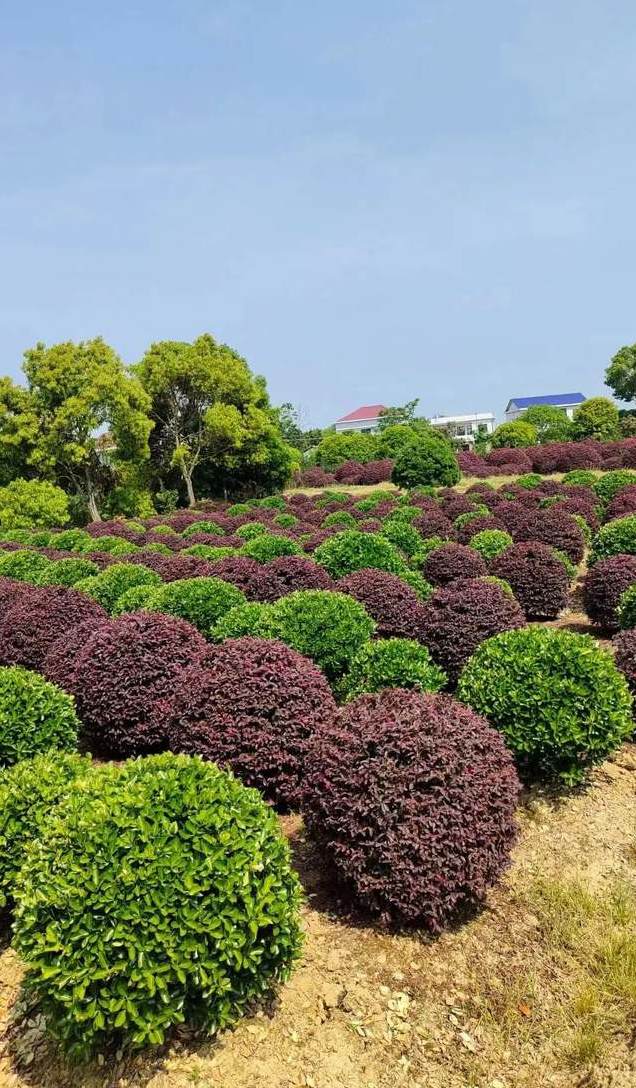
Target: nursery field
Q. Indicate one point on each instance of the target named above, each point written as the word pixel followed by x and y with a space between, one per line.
pixel 360 804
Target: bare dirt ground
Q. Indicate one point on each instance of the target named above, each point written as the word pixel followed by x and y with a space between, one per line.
pixel 537 991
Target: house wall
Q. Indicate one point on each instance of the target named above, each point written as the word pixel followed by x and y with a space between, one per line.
pixel 368 426
pixel 516 413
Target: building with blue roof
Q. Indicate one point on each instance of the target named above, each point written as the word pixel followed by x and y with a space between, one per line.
pixel 567 402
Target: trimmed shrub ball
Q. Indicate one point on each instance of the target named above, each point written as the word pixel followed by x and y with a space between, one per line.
pixel 429 459
pixel 394 605
pixel 490 542
pixel 328 627
pixel 352 550
pixel 108 586
pixel 124 668
pixel 610 484
pixel 432 522
pixel 411 798
pixel 556 528
pixel 538 579
pixel 624 645
pixel 452 561
pixel 391 663
pixel 251 707
pixel 10 591
pixel 266 547
pixel 34 623
pixel 603 586
pixel 132 600
pixel 200 601
pixel 66 572
pixel 289 573
pixel 251 618
pixel 459 617
pixel 615 538
pixel 25 566
pixel 61 658
pixel 558 699
pixel 191 873
pixel 28 792
pixel 244 573
pixel 35 716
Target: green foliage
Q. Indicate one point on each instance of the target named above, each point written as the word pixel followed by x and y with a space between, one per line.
pixel 334 449
pixel 558 699
pixel 395 437
pixel 271 502
pixel 328 627
pixel 501 582
pixel 620 375
pixel 200 601
pixel 530 480
pixel 341 517
pixel 571 568
pixel 491 542
pixel 428 545
pixel 514 435
pixel 166 500
pixel 404 414
pixel 470 515
pixel 610 483
pixel 180 877
pixel 391 663
pixel 405 513
pixel 265 547
pixel 108 586
pixel 251 529
pixel 25 566
pixel 73 540
pixel 285 521
pixel 133 599
pixel 29 792
pixel 67 572
pixel 19 427
pixel 550 423
pixel 353 550
pixel 429 460
pixel 35 716
pixel 238 509
pixel 416 580
pixel 244 619
pixel 596 418
pixel 626 610
pixel 617 537
pixel 203 527
pixel 156 548
pixel 584 527
pixel 581 477
pixel 401 533
pixel 32 504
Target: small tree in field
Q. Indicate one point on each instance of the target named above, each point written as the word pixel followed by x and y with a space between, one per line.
pixel 551 424
pixel 427 460
pixel 596 418
pixel 621 373
pixel 514 435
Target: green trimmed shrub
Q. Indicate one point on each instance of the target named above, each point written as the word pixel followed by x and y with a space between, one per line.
pixel 391 663
pixel 251 618
pixel 404 513
pixel 165 530
pixel 32 504
pixel 40 539
pixel 285 521
pixel 342 517
pixel 617 537
pixel 24 566
pixel 108 586
pixel 626 610
pixel 251 529
pixel 571 568
pixel 610 483
pixel 584 527
pixel 266 547
pixel 238 510
pixel 326 626
pixel 133 599
pixel 210 527
pixel 428 545
pixel 416 580
pixel 73 540
pixel 28 792
pixel 480 511
pixel 429 460
pixel 529 480
pixel 114 545
pixel 200 601
pixel 183 878
pixel 490 542
pixel 558 699
pixel 208 551
pixel 67 572
pixel 353 550
pixel 401 533
pixel 272 502
pixel 581 477
pixel 157 548
pixel 17 536
pixel 35 716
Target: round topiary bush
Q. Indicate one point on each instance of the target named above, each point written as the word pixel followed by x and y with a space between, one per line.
pixel 24 566
pixel 353 550
pixel 603 586
pixel 108 586
pixel 251 529
pixel 121 672
pixel 328 627
pixel 451 561
pixel 246 574
pixel 266 547
pixel 10 590
pixel 558 699
pixel 214 920
pixel 34 622
pixel 402 534
pixel 615 538
pixel 490 543
pixel 202 526
pixel 459 617
pixel 35 716
pixel 624 645
pixel 608 485
pixel 251 618
pixel 433 523
pixel 341 517
pixel 411 798
pixel 389 600
pixel 556 528
pixel 61 658
pixel 200 601
pixel 289 573
pixel 251 707
pixel 132 600
pixel 29 790
pixel 538 579
pixel 429 460
pixel 626 610
pixel 66 572
pixel 391 663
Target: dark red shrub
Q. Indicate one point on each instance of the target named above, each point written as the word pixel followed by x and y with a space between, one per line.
pixel 625 656
pixel 10 590
pixel 432 522
pixel 538 579
pixel 394 605
pixel 458 617
pixel 471 464
pixel 349 472
pixel 36 620
pixel 603 586
pixel 623 503
pixel 289 573
pixel 518 459
pixel 455 504
pixel 112 528
pixel 319 537
pixel 452 561
pixel 575 504
pixel 60 662
pixel 124 669
pixel 251 705
pixel 173 568
pixel 465 533
pixel 376 472
pixel 244 573
pixel 510 514
pixel 411 798
pixel 554 527
pixel 314 477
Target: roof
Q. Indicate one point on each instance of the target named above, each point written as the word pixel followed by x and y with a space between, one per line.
pixel 557 399
pixel 367 411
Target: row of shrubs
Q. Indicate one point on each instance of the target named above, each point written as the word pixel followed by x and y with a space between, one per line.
pixel 550 458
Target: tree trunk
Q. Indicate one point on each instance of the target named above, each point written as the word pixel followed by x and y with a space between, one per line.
pixel 92 508
pixel 188 482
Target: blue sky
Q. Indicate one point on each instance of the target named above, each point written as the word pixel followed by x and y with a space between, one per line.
pixel 371 201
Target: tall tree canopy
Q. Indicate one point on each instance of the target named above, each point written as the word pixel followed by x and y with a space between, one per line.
pixel 621 373
pixel 597 418
pixel 212 417
pixel 405 413
pixel 550 423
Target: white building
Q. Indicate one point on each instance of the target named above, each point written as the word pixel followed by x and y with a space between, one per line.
pixel 567 402
pixel 466 428
pixel 364 419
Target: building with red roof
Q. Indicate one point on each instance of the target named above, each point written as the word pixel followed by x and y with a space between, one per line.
pixel 364 419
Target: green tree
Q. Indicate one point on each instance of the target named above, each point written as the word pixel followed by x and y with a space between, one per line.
pixel 621 373
pixel 597 418
pixel 212 417
pixel 289 420
pixel 19 427
pixel 551 424
pixel 79 392
pixel 393 439
pixel 389 417
pixel 427 460
pixel 337 447
pixel 515 434
pixel 32 504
